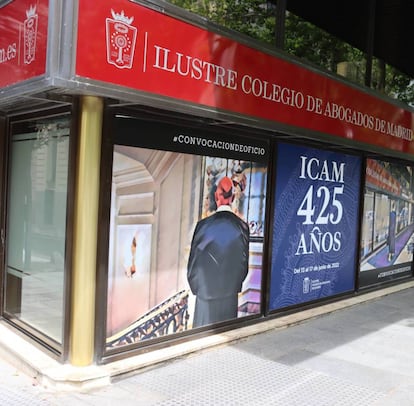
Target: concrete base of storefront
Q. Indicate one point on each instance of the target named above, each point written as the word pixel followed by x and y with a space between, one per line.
pixel 50 373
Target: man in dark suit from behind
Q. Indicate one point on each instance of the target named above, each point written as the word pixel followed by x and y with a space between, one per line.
pixel 218 262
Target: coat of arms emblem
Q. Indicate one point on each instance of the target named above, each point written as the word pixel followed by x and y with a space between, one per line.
pixel 30 34
pixel 120 40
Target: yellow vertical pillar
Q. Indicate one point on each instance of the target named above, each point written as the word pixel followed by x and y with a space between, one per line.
pixel 82 324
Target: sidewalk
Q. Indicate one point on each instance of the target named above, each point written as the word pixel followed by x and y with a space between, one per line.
pixel 362 354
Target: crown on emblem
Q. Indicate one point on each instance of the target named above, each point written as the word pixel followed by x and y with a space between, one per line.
pixel 31 12
pixel 122 17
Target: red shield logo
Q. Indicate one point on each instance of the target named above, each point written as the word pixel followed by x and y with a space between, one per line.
pixel 120 40
pixel 29 35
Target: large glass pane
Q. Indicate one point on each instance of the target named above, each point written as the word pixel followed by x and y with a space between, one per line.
pixel 36 224
pixel 317 46
pixel 382 208
pixel 398 85
pixel 175 262
pixel 388 217
pixel 368 224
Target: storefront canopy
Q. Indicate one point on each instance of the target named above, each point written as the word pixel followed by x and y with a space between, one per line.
pixel 182 66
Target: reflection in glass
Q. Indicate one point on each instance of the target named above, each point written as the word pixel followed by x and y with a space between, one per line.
pixel 367 237
pixel 387 225
pixel 36 224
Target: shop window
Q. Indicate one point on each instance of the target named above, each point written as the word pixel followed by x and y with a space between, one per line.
pixel 163 187
pixel 36 224
pixel 387 223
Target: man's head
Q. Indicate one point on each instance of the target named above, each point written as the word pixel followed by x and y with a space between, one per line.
pixel 224 193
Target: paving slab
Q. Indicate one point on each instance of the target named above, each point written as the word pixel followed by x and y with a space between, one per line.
pixel 360 354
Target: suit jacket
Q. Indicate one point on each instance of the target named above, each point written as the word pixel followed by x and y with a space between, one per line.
pixel 218 262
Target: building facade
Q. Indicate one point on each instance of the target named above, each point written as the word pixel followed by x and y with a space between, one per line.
pixel 118 126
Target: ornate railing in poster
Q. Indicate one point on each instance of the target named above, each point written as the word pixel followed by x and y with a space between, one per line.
pixel 170 316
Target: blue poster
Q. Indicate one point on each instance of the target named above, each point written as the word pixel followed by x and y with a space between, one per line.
pixel 314 247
